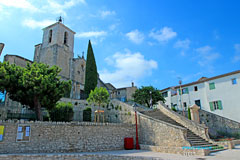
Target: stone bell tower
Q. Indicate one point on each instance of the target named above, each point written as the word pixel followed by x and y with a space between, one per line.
pixel 56 48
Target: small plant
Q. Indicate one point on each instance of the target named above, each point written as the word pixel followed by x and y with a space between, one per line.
pixel 174 109
pixel 189 114
pixel 112 105
pixel 120 108
pixel 62 112
pixel 129 113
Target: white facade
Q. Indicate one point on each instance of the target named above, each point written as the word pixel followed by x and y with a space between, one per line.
pixel 223 99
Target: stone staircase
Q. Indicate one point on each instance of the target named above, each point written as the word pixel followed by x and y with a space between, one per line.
pixel 195 140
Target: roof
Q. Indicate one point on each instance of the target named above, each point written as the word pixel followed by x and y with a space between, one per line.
pixel 203 79
pixel 109 85
pixel 18 57
pixel 61 25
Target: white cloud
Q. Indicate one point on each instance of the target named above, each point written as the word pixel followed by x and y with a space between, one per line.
pixel 58 8
pixel 163 34
pixel 182 44
pixel 45 6
pixel 104 14
pixel 206 55
pixel 135 36
pixel 127 67
pixel 22 4
pixel 95 34
pixel 31 23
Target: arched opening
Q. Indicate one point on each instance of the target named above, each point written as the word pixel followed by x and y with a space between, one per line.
pixel 50 36
pixel 87 114
pixel 65 37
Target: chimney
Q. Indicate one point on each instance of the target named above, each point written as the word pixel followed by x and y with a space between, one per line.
pixel 132 84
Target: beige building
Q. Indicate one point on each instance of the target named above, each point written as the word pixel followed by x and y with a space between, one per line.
pixel 57 49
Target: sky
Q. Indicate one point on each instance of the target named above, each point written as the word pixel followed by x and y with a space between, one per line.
pixel 148 42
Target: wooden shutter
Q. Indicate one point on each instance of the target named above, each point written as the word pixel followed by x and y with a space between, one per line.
pixel 187 91
pixel 211 106
pixel 220 105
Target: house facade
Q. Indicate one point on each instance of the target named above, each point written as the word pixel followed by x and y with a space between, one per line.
pixel 219 95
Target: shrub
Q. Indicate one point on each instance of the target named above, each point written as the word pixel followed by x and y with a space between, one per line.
pixel 62 112
pixel 189 114
pixel 87 114
pixel 174 109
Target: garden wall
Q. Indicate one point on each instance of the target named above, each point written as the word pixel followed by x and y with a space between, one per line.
pixel 218 125
pixel 51 137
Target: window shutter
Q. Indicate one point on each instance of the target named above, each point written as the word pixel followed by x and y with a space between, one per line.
pixel 220 105
pixel 187 90
pixel 211 106
pixel 179 92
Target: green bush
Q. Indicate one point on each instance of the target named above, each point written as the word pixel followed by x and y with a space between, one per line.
pixel 87 114
pixel 189 114
pixel 174 109
pixel 62 112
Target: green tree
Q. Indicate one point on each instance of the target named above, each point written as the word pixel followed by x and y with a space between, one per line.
pixel 143 96
pixel 62 112
pixel 98 96
pixel 91 75
pixel 36 85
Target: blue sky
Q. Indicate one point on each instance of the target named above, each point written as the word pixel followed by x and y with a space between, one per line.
pixel 152 42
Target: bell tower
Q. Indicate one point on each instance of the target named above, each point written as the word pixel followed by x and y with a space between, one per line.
pixel 56 48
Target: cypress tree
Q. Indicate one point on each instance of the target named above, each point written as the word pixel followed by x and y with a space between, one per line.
pixel 91 75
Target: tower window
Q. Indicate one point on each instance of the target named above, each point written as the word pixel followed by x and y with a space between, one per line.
pixel 65 37
pixel 50 36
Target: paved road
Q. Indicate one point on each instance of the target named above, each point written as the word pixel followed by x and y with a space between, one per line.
pixel 233 154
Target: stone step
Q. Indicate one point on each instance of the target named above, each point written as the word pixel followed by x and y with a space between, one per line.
pixel 200 144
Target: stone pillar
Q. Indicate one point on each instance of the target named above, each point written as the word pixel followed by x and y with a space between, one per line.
pixel 195 113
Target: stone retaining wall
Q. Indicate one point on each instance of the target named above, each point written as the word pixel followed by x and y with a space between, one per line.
pixel 159 133
pixel 198 129
pixel 218 125
pixel 50 137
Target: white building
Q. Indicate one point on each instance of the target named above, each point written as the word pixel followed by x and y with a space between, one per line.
pixel 219 95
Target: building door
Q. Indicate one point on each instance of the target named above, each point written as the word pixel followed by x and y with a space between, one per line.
pixel 197 102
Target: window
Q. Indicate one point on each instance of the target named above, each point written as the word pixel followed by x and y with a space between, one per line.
pixel 50 36
pixel 65 37
pixel 165 94
pixel 234 81
pixel 173 92
pixel 212 86
pixel 214 105
pixel 195 88
pixel 185 105
pixel 184 91
pixel 198 103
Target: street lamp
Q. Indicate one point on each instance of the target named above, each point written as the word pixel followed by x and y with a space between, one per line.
pixel 150 99
pixel 135 109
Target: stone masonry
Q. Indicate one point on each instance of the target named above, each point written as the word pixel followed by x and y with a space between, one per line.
pixel 50 137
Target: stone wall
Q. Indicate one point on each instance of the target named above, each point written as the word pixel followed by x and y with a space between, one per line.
pixel 50 137
pixel 198 129
pixel 115 112
pixel 219 125
pixel 159 133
